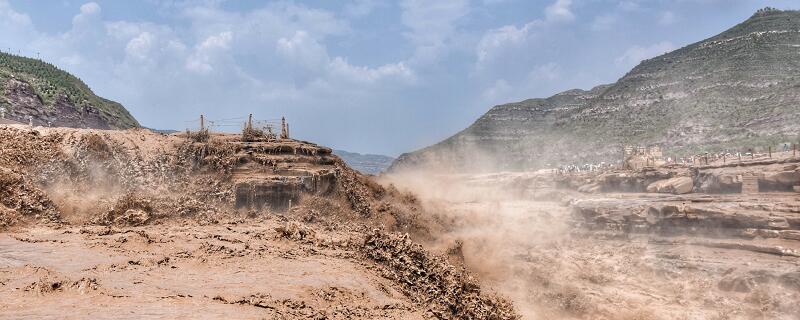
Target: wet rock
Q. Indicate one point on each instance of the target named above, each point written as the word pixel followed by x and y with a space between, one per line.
pixel 778 223
pixel 716 182
pixel 790 234
pixel 295 231
pixel 781 179
pixel 8 217
pixel 133 217
pixel 766 233
pixel 53 283
pixel 590 188
pixel 454 293
pixel 677 185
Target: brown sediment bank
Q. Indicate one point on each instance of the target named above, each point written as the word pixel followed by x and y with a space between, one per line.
pixel 132 224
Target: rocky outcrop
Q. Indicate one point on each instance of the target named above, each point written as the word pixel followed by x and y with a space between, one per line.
pixel 733 90
pixel 620 181
pixel 677 185
pixel 773 216
pixel 34 91
pixel 25 104
pixel 776 175
pixel 277 173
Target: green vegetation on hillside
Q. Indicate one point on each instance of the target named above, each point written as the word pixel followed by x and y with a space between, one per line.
pixel 735 91
pixel 50 82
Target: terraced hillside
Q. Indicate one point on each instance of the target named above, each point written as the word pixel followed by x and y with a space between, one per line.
pixel 739 89
pixel 34 89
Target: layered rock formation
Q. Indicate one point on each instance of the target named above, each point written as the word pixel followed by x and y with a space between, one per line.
pixel 766 175
pixel 734 90
pixel 35 91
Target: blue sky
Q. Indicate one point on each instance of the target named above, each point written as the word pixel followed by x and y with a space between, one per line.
pixel 370 76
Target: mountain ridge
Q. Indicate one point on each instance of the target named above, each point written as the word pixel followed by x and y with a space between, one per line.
pixel 33 90
pixel 735 90
pixel 364 162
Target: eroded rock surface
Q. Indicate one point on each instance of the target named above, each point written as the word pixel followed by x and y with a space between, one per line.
pixel 139 224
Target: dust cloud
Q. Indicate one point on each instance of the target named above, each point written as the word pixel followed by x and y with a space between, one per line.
pixel 518 234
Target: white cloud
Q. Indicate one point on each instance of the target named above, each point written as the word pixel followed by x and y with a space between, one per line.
pixel 15 28
pixel 307 53
pixel 559 11
pixel 431 22
pixel 666 18
pixel 636 54
pixel 496 41
pixel 11 17
pixel 497 92
pixel 343 70
pixel 493 2
pixel 219 41
pixel 139 47
pixel 604 22
pixel 546 72
pixel 303 50
pixel 360 8
pixel 629 5
pixel 285 57
pixel 88 12
pixel 201 60
pixel 90 8
pixel 432 25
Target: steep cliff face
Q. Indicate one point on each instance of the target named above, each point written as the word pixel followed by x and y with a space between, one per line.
pixel 34 90
pixel 738 89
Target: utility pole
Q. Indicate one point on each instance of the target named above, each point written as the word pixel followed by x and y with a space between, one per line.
pixel 284 130
pixel 202 123
pixel 250 122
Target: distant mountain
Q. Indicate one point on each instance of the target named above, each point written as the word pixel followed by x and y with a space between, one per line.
pixel 162 131
pixel 31 88
pixel 365 163
pixel 739 89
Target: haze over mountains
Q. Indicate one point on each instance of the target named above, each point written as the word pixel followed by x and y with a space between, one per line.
pixel 365 163
pixel 736 90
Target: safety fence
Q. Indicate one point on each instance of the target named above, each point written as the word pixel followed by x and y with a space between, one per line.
pixel 199 129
